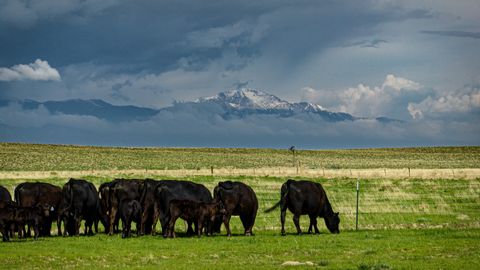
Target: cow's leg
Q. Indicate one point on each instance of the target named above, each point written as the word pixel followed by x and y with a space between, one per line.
pixel 315 226
pixel 156 214
pixel 190 230
pixel 199 227
pixel 143 221
pixel 89 224
pixel 77 221
pixel 171 227
pixel 283 214
pixel 296 221
pixel 247 221
pixel 113 215
pixel 165 221
pixel 29 233
pixel 124 228
pixel 59 225
pixel 47 226
pixel 226 222
pixel 96 225
pixel 35 230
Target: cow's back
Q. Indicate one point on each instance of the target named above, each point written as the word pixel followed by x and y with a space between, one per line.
pixel 304 196
pixel 29 194
pixel 186 190
pixel 5 195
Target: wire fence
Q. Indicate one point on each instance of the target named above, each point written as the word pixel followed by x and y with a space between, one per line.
pixel 386 204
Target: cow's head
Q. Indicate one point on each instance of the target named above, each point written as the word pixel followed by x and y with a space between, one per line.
pixel 333 222
pixel 44 209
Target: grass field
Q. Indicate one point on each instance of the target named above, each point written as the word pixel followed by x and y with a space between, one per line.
pixel 405 223
pixel 28 157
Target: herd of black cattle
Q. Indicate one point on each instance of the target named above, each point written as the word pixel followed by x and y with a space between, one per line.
pixel 145 202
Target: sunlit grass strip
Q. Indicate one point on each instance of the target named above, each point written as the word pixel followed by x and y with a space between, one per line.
pixel 277 172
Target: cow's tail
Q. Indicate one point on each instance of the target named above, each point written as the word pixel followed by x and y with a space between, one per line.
pixel 273 207
pixel 283 197
pixel 143 194
pixel 17 194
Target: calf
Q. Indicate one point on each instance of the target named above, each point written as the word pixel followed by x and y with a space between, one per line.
pixel 33 216
pixel 193 211
pixel 130 210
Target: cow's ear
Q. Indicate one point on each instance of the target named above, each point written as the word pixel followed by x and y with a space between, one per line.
pixel 336 214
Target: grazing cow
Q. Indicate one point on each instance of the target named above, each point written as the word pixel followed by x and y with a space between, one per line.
pixel 239 200
pixel 200 213
pixel 5 195
pixel 168 190
pixel 30 194
pixel 130 210
pixel 306 198
pixel 119 190
pixel 80 201
pixel 147 201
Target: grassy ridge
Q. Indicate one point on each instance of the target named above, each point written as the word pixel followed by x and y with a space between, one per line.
pixel 33 157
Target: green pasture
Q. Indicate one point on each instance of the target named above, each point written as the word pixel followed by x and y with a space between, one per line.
pixel 32 157
pixel 383 249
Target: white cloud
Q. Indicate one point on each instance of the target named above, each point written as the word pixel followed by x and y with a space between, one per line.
pixel 461 101
pixel 39 71
pixel 399 83
pixel 367 101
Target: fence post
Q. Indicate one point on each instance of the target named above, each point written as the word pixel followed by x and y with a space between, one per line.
pixel 356 212
pixel 211 170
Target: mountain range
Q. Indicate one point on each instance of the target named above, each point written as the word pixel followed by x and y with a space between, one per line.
pixel 234 104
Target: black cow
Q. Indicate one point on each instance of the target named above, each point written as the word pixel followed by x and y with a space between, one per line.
pixel 130 210
pixel 119 190
pixel 31 194
pixel 239 200
pixel 5 195
pixel 168 190
pixel 200 213
pixel 147 201
pixel 80 201
pixel 306 198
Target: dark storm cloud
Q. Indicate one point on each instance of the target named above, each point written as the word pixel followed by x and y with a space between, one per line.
pixel 154 35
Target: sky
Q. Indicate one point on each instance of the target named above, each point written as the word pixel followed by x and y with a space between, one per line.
pixel 416 61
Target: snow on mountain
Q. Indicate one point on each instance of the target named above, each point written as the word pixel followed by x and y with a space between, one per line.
pixel 247 99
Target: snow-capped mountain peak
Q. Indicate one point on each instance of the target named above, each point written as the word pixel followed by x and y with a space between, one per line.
pixel 248 99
